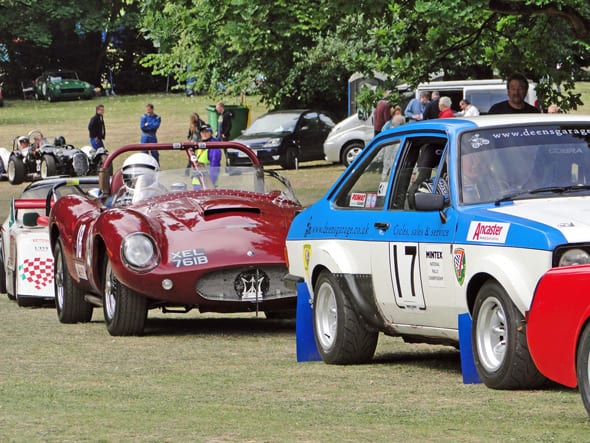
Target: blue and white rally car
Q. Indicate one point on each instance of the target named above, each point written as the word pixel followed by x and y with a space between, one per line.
pixel 443 217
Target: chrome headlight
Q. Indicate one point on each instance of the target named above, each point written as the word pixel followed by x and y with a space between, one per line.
pixel 574 257
pixel 139 252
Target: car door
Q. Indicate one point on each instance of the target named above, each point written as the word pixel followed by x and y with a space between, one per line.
pixel 309 137
pixel 413 268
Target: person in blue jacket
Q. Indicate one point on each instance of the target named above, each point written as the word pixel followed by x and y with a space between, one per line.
pixel 149 124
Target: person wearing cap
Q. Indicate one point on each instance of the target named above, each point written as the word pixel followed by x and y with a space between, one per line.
pixel 207 159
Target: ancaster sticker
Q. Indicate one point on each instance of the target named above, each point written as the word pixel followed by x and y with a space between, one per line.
pixel 459 264
pixel 488 232
pixel 189 257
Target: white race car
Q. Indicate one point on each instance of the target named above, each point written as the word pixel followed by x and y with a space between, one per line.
pixel 26 260
pixel 445 217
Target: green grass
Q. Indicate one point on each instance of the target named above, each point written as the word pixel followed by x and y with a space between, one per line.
pixel 227 378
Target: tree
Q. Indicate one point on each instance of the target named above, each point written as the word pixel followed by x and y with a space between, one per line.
pixel 306 51
pixel 86 36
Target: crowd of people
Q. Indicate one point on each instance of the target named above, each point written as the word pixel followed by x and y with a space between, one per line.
pixel 149 123
pixel 431 105
pixel 207 162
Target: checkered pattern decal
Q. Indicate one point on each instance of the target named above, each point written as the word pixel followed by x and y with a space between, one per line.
pixel 38 271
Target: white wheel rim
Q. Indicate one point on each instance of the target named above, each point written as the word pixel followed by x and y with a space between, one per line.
pixel 109 298
pixel 43 169
pixel 326 316
pixel 491 334
pixel 352 155
pixel 11 170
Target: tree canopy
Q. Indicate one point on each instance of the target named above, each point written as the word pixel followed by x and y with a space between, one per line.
pixel 296 52
pixel 306 51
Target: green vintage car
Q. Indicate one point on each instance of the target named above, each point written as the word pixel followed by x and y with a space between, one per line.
pixel 61 84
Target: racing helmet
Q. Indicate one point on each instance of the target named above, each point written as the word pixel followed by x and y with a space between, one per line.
pixel 137 165
pixel 60 140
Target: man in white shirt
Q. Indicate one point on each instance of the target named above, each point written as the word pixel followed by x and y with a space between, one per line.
pixel 467 109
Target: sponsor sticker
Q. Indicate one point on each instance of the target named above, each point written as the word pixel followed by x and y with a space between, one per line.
pixel 358 199
pixel 435 275
pixel 488 232
pixel 459 264
pixel 306 256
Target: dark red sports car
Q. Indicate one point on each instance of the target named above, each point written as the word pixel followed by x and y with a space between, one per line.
pixel 197 237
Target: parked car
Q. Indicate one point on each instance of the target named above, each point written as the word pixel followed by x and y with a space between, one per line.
pixel 558 327
pixel 96 158
pixel 26 260
pixel 60 84
pixel 348 138
pixel 42 159
pixel 175 240
pixel 285 138
pixel 440 218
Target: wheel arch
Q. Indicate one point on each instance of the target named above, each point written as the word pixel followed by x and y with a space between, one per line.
pixel 518 275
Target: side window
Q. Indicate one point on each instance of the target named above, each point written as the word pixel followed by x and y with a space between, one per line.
pixel 326 121
pixel 369 186
pixel 310 121
pixel 418 165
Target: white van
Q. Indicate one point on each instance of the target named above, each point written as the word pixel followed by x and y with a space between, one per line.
pixel 481 93
pixel 351 135
pixel 348 138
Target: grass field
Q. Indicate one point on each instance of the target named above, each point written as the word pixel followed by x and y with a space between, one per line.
pixel 213 378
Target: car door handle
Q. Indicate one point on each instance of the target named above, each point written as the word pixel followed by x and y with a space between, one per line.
pixel 382 226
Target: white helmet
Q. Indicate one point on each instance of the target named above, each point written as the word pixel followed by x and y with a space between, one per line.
pixel 136 165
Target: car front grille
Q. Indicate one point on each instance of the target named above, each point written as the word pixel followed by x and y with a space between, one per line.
pixel 245 284
pixel 80 164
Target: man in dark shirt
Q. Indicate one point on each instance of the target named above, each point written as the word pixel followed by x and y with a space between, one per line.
pixel 223 122
pixel 96 128
pixel 431 111
pixel 517 88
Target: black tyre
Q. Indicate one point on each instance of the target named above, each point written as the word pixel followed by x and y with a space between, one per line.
pixel 499 342
pixel 48 168
pixel 340 334
pixel 11 295
pixel 583 366
pixel 350 152
pixel 290 159
pixel 69 298
pixel 125 311
pixel 2 274
pixel 16 170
